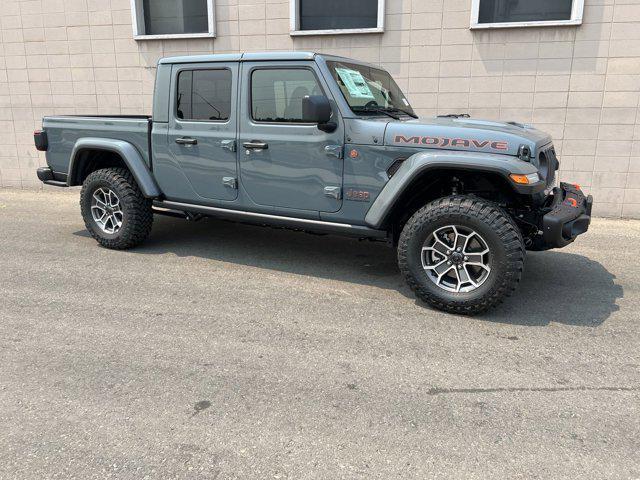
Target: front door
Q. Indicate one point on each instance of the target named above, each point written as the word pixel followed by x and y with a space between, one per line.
pixel 285 162
pixel 202 130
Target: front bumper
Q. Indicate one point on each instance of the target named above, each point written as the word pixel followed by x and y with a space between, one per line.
pixel 569 215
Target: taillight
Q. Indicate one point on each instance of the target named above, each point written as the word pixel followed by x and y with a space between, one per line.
pixel 40 139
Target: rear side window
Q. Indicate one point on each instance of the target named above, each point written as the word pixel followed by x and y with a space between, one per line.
pixel 276 94
pixel 204 94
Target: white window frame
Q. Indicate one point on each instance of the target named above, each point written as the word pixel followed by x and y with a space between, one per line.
pixel 137 18
pixel 577 10
pixel 294 26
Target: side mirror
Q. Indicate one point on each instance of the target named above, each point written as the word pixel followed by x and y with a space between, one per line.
pixel 317 109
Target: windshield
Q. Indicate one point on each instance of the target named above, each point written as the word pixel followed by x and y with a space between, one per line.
pixel 369 90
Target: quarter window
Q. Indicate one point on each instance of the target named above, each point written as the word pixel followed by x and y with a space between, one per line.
pixel 204 95
pixel 514 13
pixel 276 94
pixel 316 17
pixel 172 18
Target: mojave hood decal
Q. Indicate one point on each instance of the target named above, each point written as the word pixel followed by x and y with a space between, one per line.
pixel 469 135
pixel 444 142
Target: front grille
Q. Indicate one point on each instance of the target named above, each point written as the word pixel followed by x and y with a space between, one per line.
pixel 548 164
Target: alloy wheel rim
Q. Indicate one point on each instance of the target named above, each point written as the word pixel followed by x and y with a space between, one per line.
pixel 456 259
pixel 106 211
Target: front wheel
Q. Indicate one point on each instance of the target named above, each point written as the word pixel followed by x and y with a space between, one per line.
pixel 114 210
pixel 461 254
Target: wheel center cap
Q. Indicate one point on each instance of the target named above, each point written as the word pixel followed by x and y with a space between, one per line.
pixel 457 258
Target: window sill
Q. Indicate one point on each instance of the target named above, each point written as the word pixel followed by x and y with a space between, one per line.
pixel 173 36
pixel 551 23
pixel 340 31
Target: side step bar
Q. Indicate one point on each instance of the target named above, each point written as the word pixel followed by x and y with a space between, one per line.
pixel 275 220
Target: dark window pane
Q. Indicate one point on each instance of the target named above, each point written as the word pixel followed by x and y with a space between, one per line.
pixel 338 14
pixel 497 11
pixel 204 95
pixel 175 16
pixel 276 95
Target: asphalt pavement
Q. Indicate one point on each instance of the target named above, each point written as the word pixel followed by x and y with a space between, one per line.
pixel 226 351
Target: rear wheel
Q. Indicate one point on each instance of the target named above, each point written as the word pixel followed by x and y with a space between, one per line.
pixel 461 254
pixel 114 210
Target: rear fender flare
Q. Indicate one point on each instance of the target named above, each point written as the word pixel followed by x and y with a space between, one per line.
pixel 425 161
pixel 129 154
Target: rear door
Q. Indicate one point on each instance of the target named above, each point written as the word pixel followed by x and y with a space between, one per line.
pixel 202 128
pixel 285 162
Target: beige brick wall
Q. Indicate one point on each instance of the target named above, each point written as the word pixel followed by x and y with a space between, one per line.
pixel 581 84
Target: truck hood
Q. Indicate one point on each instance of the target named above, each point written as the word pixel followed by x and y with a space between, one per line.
pixel 466 134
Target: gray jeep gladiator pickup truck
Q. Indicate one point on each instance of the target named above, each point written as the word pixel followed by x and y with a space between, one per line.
pixel 323 144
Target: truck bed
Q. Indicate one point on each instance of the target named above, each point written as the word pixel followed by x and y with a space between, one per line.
pixel 64 131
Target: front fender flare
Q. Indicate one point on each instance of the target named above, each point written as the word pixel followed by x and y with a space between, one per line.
pixel 128 153
pixel 425 161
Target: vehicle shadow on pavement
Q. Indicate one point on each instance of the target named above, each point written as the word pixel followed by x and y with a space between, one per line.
pixel 560 287
pixel 556 287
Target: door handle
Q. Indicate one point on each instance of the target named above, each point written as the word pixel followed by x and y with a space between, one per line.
pixel 255 145
pixel 186 141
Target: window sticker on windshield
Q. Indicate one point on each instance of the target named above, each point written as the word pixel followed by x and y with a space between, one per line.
pixel 355 83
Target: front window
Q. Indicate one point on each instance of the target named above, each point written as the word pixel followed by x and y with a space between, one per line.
pixel 370 90
pixel 276 94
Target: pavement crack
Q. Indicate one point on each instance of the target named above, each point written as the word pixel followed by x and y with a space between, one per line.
pixel 444 391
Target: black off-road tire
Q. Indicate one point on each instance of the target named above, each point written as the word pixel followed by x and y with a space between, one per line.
pixel 495 226
pixel 137 217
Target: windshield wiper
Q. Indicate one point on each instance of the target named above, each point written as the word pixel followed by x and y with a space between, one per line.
pixel 386 110
pixel 406 112
pixel 378 109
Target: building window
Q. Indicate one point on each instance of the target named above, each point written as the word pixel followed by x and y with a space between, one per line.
pixel 157 19
pixel 328 17
pixel 276 94
pixel 525 13
pixel 204 95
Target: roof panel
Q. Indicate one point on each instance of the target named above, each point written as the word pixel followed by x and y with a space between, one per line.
pixel 230 57
pixel 236 57
pixel 263 56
